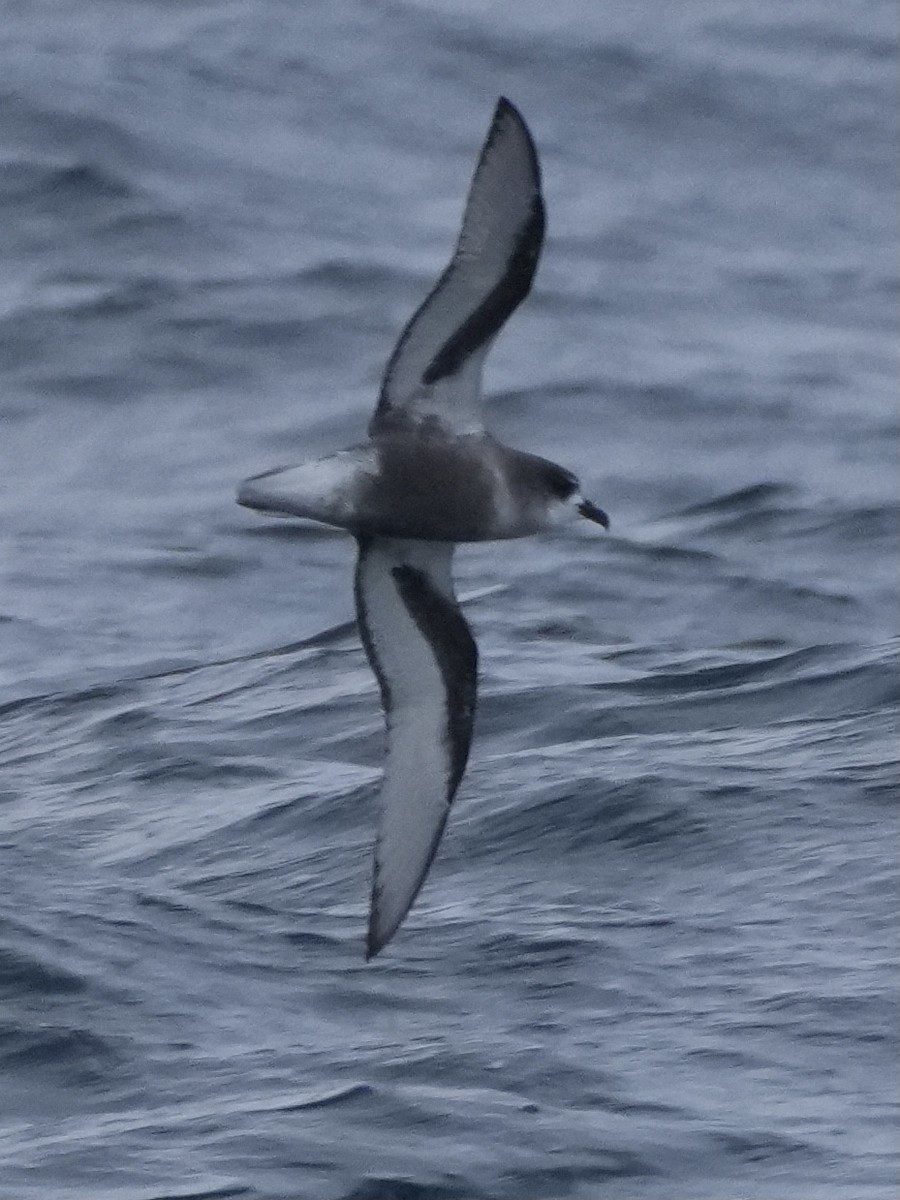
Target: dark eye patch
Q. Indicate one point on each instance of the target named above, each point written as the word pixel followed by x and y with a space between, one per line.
pixel 560 483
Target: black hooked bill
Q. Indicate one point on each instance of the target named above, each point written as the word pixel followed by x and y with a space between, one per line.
pixel 593 513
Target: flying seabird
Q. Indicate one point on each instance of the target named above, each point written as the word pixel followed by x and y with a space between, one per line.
pixel 429 476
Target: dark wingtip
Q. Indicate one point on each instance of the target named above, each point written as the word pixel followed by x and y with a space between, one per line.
pixel 376 937
pixel 506 108
pixel 374 943
pixel 593 513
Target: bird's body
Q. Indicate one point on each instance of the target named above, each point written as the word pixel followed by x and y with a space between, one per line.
pixel 419 485
pixel 428 477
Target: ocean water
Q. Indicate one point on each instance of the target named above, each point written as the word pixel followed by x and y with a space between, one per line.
pixel 657 956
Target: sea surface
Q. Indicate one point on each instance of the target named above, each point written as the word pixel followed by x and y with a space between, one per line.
pixel 657 956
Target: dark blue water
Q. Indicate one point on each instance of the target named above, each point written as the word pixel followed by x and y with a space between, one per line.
pixel 657 955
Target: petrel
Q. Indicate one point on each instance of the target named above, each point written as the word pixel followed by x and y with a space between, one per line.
pixel 430 476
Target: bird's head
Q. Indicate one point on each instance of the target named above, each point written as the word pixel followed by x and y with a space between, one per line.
pixel 563 494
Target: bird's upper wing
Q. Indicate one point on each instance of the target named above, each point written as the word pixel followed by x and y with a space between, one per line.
pixel 424 657
pixel 435 369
